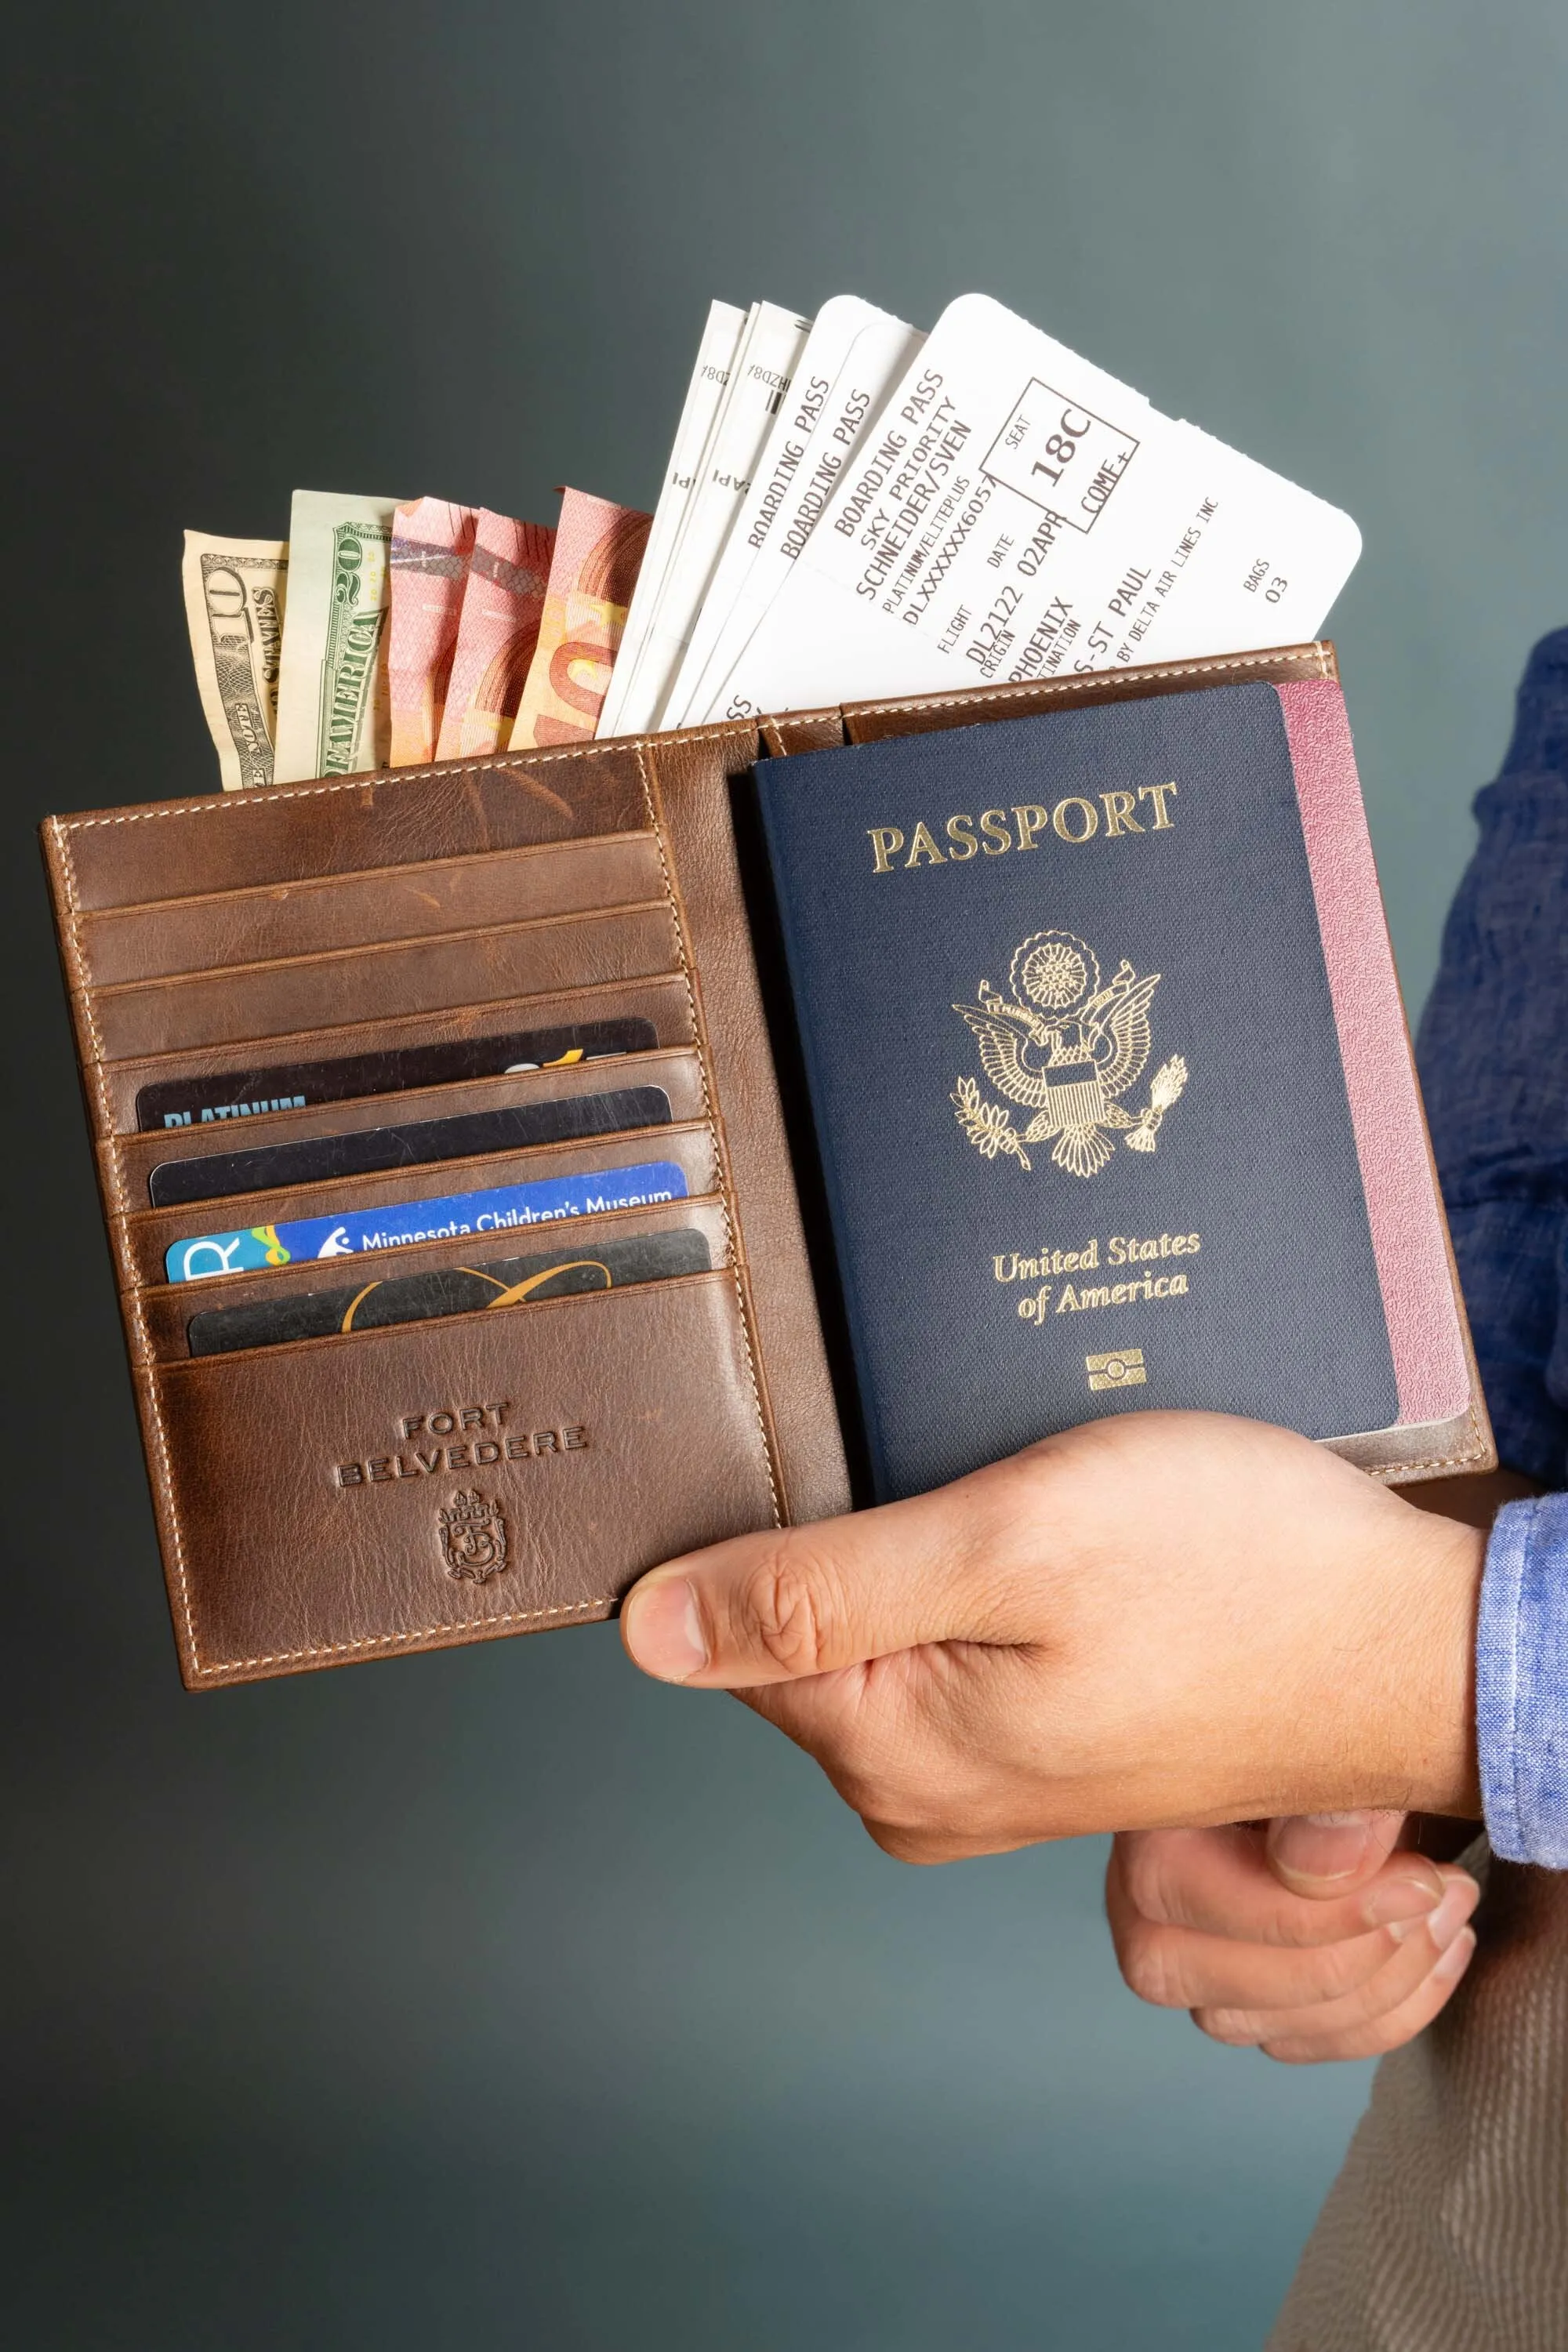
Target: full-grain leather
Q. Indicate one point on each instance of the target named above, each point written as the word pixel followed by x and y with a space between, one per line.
pixel 277 1565
pixel 300 1490
pixel 186 848
pixel 692 780
pixel 264 1000
pixel 283 919
pixel 271 1567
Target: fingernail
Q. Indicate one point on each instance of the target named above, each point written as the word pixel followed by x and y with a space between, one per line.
pixel 1402 1903
pixel 1319 1847
pixel 664 1632
pixel 1453 1963
pixel 1451 1913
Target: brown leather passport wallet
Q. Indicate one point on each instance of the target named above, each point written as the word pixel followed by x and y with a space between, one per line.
pixel 417 1484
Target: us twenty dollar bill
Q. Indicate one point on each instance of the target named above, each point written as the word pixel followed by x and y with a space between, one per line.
pixel 335 715
pixel 234 608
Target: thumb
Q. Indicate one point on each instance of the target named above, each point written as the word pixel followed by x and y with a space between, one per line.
pixel 772 1608
pixel 1330 1854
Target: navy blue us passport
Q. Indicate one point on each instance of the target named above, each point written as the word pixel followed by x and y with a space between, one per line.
pixel 1075 1078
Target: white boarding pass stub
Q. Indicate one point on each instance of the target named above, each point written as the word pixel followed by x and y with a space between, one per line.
pixel 877 360
pixel 710 380
pixel 833 331
pixel 1018 514
pixel 759 386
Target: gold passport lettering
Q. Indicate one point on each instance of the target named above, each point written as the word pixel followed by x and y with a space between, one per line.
pixel 1084 1299
pixel 1078 1298
pixel 1121 1249
pixel 1074 819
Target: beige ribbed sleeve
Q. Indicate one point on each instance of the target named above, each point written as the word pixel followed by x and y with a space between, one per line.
pixel 1448 2228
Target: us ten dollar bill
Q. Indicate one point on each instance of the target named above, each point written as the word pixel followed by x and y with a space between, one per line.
pixel 235 591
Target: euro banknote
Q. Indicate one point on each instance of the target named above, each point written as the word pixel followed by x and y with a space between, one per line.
pixel 431 543
pixel 503 603
pixel 235 592
pixel 599 548
pixel 333 714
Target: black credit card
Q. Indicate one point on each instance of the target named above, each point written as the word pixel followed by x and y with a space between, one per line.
pixel 451 1290
pixel 366 1152
pixel 295 1086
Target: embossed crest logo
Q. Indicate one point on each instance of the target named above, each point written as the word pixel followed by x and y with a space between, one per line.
pixel 473 1538
pixel 1066 1049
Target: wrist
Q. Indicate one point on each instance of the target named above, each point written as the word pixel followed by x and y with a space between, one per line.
pixel 1429 1755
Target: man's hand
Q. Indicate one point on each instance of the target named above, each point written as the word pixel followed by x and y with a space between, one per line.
pixel 1156 1620
pixel 1313 1939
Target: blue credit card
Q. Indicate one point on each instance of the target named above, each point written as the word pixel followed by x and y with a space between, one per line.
pixel 501 1211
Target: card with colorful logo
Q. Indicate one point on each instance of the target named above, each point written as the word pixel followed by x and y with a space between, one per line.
pixel 503 1209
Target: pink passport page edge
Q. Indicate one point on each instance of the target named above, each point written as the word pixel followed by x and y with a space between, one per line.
pixel 1408 1236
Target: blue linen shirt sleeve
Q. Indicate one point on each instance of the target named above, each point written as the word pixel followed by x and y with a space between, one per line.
pixel 1521 1682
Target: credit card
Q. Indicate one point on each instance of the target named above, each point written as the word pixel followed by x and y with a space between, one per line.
pixel 202 1100
pixel 317 1158
pixel 451 1290
pixel 502 1209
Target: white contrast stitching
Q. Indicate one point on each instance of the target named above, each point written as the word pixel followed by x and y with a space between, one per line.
pixel 272 793
pixel 422 1634
pixel 1476 1453
pixel 131 1294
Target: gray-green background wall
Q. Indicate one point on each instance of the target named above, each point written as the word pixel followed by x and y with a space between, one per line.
pixel 498 1999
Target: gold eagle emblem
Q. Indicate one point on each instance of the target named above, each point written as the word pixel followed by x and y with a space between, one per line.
pixel 1066 1048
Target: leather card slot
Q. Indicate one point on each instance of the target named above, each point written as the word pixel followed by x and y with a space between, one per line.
pixel 426 976
pixel 322 915
pixel 678 1074
pixel 167 1312
pixel 446 1482
pixel 146 1234
pixel 665 1002
pixel 349 824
